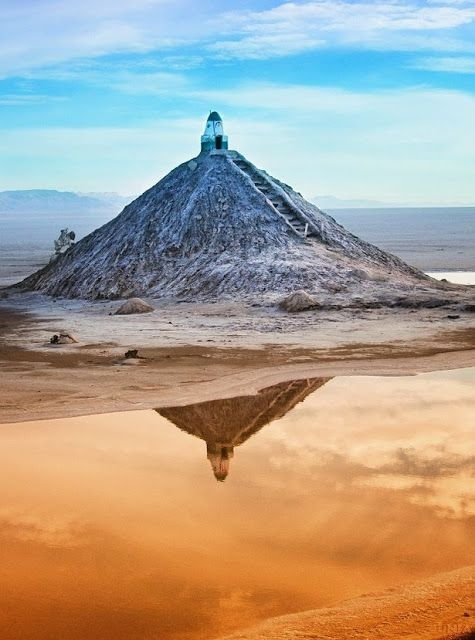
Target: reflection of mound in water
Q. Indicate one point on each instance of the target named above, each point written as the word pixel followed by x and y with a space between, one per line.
pixel 227 423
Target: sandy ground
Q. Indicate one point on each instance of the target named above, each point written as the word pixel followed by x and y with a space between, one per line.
pixel 440 608
pixel 200 352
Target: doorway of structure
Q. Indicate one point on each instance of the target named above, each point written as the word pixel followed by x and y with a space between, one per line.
pixel 219 142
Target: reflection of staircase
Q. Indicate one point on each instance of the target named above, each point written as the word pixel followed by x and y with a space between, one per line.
pixel 291 215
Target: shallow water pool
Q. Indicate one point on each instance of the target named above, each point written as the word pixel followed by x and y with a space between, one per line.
pixel 186 523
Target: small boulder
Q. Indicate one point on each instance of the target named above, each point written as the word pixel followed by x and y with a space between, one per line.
pixel 298 301
pixel 63 338
pixel 134 305
pixel 132 357
pixel 358 274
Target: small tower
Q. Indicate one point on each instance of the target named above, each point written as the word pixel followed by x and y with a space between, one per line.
pixel 219 455
pixel 213 137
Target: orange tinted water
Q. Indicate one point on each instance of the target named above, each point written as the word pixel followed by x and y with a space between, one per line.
pixel 114 526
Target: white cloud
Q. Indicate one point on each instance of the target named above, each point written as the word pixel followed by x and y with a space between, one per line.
pixel 466 3
pixel 45 32
pixel 167 71
pixel 28 99
pixel 38 33
pixel 304 101
pixel 294 27
pixel 266 45
pixel 450 64
pixel 129 159
pixel 395 145
pixel 155 83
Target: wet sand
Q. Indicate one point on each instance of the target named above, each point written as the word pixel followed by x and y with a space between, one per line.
pixel 41 381
pixel 440 608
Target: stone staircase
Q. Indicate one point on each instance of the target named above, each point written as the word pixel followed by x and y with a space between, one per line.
pixel 295 221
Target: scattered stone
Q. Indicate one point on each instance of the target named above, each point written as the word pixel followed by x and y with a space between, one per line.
pixel 134 305
pixel 131 353
pixel 357 303
pixel 358 274
pixel 419 303
pixel 335 288
pixel 298 301
pixel 63 338
pixel 131 357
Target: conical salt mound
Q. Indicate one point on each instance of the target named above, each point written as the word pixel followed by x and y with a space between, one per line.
pixel 217 227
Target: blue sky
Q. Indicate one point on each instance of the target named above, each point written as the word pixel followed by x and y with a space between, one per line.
pixel 351 98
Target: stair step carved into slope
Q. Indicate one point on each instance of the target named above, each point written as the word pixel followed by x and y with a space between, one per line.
pixel 295 221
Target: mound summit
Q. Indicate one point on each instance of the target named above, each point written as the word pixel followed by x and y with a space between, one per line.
pixel 217 227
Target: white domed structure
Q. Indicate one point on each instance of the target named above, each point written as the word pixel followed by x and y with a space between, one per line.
pixel 213 137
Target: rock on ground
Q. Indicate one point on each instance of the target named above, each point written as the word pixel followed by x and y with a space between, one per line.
pixel 298 301
pixel 134 305
pixel 64 338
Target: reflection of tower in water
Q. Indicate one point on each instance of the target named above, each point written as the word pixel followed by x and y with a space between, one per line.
pixel 227 423
pixel 219 455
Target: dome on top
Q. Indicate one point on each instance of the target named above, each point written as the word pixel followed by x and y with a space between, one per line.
pixel 214 116
pixel 213 136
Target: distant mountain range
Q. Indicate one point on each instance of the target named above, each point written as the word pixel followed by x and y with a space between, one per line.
pixel 331 202
pixel 39 214
pixel 46 201
pixel 52 201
